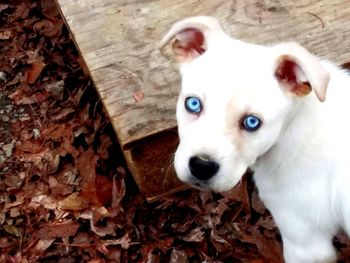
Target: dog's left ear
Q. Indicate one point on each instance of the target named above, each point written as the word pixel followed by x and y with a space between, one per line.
pixel 192 36
pixel 299 71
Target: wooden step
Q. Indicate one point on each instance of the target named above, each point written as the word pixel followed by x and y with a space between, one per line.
pixel 118 40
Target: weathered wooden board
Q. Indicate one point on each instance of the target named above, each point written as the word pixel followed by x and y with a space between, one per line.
pixel 118 40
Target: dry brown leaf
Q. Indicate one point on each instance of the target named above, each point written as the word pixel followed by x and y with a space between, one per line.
pixel 178 256
pixel 220 244
pixel 34 98
pixel 56 89
pixel 48 28
pixel 5 35
pixel 106 143
pixel 152 258
pixel 266 222
pixel 35 71
pixel 38 250
pixel 19 93
pixel 118 192
pixel 12 230
pixel 3 7
pixel 103 191
pixel 86 164
pixel 44 159
pixel 74 202
pixel 43 200
pixel 257 204
pixel 195 235
pixel 269 248
pixel 63 229
pixel 109 226
pixel 21 11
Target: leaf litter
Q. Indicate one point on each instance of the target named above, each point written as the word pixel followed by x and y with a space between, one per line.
pixel 65 192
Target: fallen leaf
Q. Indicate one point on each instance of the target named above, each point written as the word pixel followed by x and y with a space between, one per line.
pixel 43 200
pixel 15 212
pixel 48 28
pixel 5 34
pixel 195 235
pixel 152 258
pixel 269 248
pixel 41 246
pixel 21 11
pixel 257 204
pixel 49 9
pixel 106 143
pixel 86 164
pixel 178 256
pixel 35 71
pixel 3 7
pixel 220 244
pixel 12 230
pixel 8 149
pixel 9 205
pixel 74 202
pixel 63 229
pixel 108 228
pixel 19 93
pixel 103 189
pixel 266 222
pixel 118 192
pixel 62 115
pixel 56 89
pixel 165 243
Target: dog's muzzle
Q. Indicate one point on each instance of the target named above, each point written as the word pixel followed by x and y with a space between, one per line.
pixel 202 167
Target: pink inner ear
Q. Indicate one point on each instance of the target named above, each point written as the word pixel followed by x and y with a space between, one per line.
pixel 290 75
pixel 286 71
pixel 189 44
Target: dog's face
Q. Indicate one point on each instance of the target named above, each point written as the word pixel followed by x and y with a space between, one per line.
pixel 226 118
pixel 234 101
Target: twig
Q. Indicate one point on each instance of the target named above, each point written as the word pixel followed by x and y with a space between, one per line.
pixel 319 18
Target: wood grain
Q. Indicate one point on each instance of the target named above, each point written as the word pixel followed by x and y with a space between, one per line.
pixel 118 40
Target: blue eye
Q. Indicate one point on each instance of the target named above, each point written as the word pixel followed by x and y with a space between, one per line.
pixel 251 123
pixel 193 105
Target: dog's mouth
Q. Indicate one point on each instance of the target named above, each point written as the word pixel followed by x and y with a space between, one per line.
pixel 207 185
pixel 203 186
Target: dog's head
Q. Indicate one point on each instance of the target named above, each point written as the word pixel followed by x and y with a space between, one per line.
pixel 235 99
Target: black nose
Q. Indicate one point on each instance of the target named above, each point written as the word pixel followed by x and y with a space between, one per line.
pixel 202 167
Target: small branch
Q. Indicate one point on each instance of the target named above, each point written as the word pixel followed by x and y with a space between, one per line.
pixel 317 17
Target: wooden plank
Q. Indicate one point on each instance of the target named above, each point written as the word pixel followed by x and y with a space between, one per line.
pixel 151 163
pixel 118 40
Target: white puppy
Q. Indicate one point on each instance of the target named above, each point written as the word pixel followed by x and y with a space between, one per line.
pixel 265 108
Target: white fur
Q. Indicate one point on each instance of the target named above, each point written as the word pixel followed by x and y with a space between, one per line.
pixel 300 155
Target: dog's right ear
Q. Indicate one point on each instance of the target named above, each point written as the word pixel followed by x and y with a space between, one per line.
pixel 191 36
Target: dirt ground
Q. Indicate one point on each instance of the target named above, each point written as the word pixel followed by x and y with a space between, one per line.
pixel 65 192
